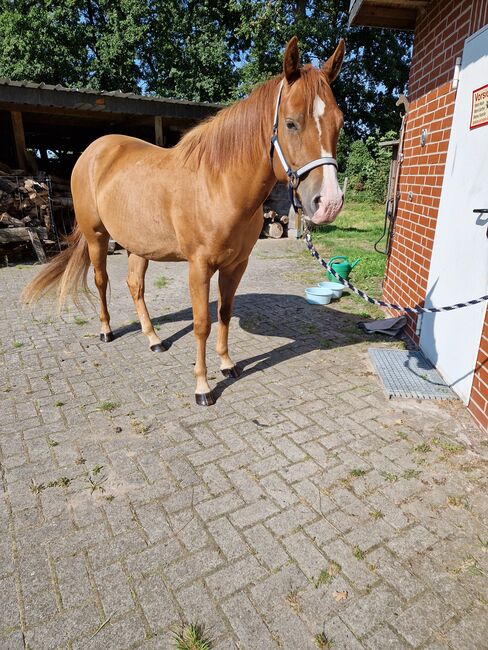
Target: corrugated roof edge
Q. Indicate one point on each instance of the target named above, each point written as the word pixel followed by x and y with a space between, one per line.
pixel 104 93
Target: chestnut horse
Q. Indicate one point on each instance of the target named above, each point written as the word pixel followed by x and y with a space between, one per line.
pixel 201 201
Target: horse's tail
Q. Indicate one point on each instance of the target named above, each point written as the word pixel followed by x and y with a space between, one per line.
pixel 65 274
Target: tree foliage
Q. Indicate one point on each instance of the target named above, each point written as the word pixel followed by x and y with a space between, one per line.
pixel 201 49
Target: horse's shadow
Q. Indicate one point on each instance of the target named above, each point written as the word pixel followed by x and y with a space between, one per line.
pixel 308 328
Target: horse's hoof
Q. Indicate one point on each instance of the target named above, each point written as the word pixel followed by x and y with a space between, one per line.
pixel 231 373
pixel 204 399
pixel 158 347
pixel 107 337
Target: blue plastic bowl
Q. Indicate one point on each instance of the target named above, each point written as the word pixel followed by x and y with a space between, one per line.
pixel 336 287
pixel 318 295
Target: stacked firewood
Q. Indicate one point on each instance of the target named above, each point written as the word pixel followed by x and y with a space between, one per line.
pixel 275 226
pixel 24 201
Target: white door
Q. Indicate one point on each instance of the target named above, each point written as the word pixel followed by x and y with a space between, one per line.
pixel 459 267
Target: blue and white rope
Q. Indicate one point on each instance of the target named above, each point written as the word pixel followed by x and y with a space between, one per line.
pixel 381 303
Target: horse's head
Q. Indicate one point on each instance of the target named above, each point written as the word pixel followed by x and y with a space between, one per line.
pixel 309 122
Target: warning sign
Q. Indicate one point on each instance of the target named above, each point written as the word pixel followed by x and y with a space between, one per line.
pixel 479 110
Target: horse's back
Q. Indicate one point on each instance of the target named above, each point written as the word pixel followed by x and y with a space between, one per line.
pixel 116 185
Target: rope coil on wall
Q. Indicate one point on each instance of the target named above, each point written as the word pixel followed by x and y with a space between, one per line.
pixel 381 303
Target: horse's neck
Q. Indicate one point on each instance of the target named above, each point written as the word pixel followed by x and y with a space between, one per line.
pixel 243 138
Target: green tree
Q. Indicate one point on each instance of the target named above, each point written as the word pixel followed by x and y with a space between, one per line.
pixel 191 49
pixel 201 49
pixel 376 65
pixel 42 41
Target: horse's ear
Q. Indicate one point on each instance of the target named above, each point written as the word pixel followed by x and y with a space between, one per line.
pixel 291 60
pixel 332 67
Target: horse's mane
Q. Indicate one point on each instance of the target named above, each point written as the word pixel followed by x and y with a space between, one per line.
pixel 240 131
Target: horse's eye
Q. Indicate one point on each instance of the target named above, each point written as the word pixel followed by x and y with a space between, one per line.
pixel 291 125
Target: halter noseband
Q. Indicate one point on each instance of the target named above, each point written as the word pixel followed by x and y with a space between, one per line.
pixel 294 177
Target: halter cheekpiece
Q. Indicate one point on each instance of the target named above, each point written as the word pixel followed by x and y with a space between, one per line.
pixel 294 177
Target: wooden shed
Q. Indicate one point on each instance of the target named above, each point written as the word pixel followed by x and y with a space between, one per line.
pixel 58 123
pixel 439 245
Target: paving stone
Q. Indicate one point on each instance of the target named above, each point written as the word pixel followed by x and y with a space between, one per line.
pixel 12 641
pixel 340 635
pixel 114 591
pixel 193 567
pixel 310 560
pixel 285 522
pixel 65 627
pixel 247 624
pixel 227 538
pixel 471 632
pixel 235 577
pixel 199 606
pixel 267 549
pixel 367 612
pixel 418 623
pixel 288 629
pixel 394 573
pixel 253 513
pixel 412 542
pixel 279 490
pixel 272 591
pixel 385 639
pixel 9 614
pixel 157 603
pixel 183 505
pixel 116 634
pixel 213 508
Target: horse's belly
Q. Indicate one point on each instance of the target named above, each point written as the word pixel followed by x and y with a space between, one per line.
pixel 144 234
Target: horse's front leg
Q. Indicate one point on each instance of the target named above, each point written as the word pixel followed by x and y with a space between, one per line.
pixel 200 274
pixel 229 279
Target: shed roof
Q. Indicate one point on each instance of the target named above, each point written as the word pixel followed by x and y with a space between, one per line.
pixel 396 14
pixel 31 94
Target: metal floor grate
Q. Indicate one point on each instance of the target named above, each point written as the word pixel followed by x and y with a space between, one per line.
pixel 407 373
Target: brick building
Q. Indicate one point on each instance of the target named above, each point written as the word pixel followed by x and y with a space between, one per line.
pixel 439 251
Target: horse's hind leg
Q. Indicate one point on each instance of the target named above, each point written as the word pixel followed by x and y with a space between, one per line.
pixel 229 279
pixel 135 282
pixel 97 250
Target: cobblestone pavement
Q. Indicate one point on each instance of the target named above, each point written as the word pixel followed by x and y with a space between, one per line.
pixel 304 510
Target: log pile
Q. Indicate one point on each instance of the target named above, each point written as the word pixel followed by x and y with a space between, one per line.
pixel 275 226
pixel 24 202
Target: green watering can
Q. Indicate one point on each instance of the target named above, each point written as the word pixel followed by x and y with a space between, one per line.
pixel 342 266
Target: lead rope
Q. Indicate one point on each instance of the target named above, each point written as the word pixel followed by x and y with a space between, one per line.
pixel 380 303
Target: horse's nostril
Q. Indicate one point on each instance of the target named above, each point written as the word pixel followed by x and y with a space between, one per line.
pixel 316 202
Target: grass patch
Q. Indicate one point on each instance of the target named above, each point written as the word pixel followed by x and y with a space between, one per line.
pixel 357 472
pixel 62 481
pixel 411 473
pixel 388 476
pixel 424 448
pixel 80 321
pixel 327 575
pixel 95 484
pixel 376 514
pixel 36 488
pixel 107 407
pixel 353 235
pixel 358 553
pixel 161 282
pixel 17 344
pixel 293 600
pixel 58 403
pixel 458 501
pixel 323 642
pixel 192 637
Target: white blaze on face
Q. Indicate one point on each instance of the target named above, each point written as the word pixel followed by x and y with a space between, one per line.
pixel 330 192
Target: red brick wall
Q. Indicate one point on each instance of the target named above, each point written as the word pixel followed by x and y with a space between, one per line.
pixel 439 39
